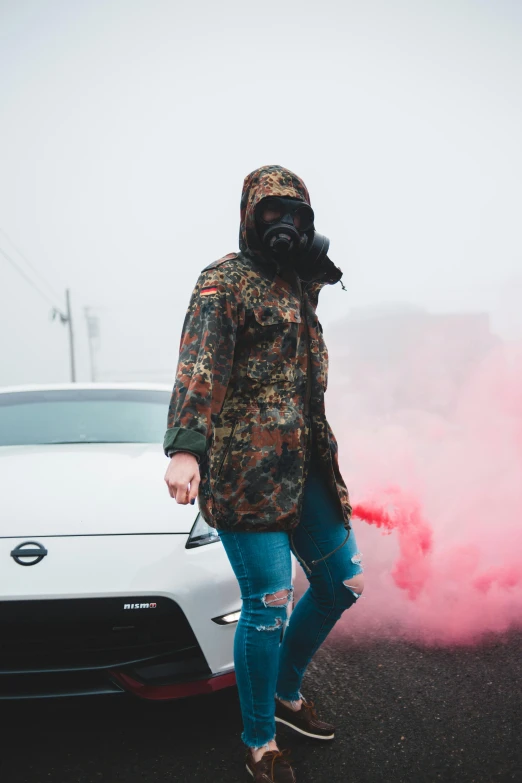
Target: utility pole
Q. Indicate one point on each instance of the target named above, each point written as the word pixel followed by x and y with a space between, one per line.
pixel 66 318
pixel 71 335
pixel 93 333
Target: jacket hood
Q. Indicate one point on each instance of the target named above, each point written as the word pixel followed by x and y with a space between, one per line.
pixel 263 182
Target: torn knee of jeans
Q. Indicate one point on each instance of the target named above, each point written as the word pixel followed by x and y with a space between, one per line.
pixel 355 585
pixel 277 624
pixel 357 559
pixel 279 598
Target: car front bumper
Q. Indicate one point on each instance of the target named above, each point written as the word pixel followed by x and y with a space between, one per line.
pixel 106 614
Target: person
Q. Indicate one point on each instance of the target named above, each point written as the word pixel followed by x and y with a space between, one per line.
pixel 247 435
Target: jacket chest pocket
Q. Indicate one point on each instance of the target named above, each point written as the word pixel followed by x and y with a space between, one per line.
pixel 273 348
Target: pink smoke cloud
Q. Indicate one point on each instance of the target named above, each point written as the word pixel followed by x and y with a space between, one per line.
pixel 437 493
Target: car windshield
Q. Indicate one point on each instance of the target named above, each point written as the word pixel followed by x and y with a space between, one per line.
pixel 83 416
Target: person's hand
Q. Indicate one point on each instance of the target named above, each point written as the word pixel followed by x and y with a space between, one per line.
pixel 182 477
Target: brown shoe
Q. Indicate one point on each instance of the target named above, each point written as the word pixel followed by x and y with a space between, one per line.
pixel 271 768
pixel 305 720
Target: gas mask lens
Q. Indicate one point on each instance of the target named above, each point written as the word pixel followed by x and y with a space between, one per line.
pixel 286 211
pixel 304 218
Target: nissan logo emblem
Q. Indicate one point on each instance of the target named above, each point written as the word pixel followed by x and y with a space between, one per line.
pixel 29 553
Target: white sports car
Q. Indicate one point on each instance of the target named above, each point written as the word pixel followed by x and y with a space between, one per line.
pixel 106 583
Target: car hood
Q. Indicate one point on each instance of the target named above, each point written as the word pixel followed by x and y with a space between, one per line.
pixel 89 489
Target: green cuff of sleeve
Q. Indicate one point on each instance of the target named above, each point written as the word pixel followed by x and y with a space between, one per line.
pixel 171 453
pixel 180 439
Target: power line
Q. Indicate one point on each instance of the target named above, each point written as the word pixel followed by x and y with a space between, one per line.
pixel 29 264
pixel 65 317
pixel 28 279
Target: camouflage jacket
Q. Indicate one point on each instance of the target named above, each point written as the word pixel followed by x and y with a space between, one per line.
pixel 250 383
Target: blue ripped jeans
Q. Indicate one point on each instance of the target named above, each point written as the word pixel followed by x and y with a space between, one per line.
pixel 265 665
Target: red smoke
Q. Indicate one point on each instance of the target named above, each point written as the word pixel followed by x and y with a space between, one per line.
pixel 411 569
pixel 443 547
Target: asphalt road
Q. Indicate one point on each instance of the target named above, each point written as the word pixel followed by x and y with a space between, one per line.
pixel 404 713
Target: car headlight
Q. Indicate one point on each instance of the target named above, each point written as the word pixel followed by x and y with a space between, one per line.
pixel 201 534
pixel 228 619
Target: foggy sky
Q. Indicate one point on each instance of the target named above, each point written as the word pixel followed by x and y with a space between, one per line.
pixel 126 129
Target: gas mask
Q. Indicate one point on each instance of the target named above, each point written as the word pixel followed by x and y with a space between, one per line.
pixel 286 229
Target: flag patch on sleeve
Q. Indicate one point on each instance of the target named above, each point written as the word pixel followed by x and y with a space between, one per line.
pixel 211 289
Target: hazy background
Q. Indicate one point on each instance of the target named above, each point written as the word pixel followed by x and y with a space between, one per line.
pixel 126 129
